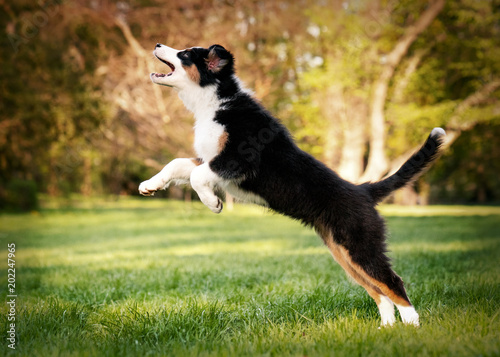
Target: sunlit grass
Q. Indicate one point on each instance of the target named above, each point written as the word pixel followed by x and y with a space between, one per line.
pixel 419 211
pixel 148 276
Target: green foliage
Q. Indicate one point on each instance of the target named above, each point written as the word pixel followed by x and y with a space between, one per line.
pixel 411 123
pixel 51 102
pixel 150 277
pixel 469 169
pixel 427 87
pixel 308 127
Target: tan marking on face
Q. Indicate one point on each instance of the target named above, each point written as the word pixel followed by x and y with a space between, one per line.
pixel 223 140
pixel 192 73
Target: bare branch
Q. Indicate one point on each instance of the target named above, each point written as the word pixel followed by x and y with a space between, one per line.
pixel 134 44
pixel 456 126
pixel 474 99
pixel 412 66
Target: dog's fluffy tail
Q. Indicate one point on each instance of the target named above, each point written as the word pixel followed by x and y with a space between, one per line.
pixel 411 169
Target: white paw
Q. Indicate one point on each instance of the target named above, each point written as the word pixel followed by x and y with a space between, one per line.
pixel 388 323
pixel 215 205
pixel 386 308
pixel 409 315
pixel 148 188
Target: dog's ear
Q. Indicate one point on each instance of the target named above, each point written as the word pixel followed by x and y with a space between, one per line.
pixel 218 57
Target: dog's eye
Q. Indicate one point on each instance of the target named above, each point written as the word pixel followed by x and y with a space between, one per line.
pixel 185 54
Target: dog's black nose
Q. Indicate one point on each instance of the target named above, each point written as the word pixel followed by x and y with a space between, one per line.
pixel 158 45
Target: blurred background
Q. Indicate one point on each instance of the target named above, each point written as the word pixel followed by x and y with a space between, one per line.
pixel 360 84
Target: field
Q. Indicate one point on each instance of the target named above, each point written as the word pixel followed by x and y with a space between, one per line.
pixel 148 277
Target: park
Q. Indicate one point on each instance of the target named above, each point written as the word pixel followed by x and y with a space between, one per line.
pixel 91 268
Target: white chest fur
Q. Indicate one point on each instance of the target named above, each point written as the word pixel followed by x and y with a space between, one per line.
pixel 206 139
pixel 204 103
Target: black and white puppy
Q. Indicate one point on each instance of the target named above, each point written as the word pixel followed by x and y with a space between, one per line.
pixel 243 150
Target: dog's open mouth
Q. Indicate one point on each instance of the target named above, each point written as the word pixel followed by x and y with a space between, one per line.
pixel 172 67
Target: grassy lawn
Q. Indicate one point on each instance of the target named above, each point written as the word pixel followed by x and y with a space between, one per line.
pixel 143 277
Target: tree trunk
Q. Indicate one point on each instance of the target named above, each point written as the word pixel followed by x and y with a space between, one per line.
pixel 86 188
pixel 52 186
pixel 377 160
pixel 333 108
pixel 353 148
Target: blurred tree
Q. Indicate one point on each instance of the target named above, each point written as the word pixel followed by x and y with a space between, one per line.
pixel 418 92
pixel 455 82
pixel 377 161
pixel 78 112
pixel 50 96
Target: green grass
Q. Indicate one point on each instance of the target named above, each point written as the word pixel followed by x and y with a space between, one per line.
pixel 148 277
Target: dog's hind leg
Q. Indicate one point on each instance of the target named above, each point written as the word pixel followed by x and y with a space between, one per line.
pixel 384 304
pixel 377 277
pixel 386 282
pixel 381 275
pixel 204 181
pixel 392 287
pixel 177 171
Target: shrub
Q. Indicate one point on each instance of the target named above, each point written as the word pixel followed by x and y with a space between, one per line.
pixel 21 195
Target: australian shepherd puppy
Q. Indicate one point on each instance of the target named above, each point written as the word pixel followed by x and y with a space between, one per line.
pixel 243 150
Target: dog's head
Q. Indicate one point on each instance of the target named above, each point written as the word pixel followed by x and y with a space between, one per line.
pixel 202 66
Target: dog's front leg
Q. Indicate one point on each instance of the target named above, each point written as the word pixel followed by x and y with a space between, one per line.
pixel 177 171
pixel 203 181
